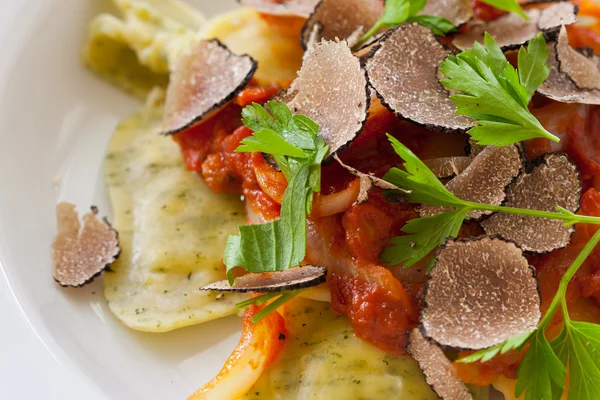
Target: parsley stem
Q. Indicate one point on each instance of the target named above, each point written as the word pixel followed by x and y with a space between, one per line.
pixel 274 305
pixel 559 297
pixel 370 33
pixel 568 217
pixel 259 300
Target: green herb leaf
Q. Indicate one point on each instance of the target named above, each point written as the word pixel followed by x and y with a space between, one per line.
pixel 533 67
pixel 422 183
pixel 397 12
pixel 268 141
pixel 485 355
pixel 424 235
pixel 493 94
pixel 280 244
pixel 507 5
pixel 438 25
pixel 580 342
pixel 539 369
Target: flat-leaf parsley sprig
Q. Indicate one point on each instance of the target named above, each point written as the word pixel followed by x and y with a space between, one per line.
pixel 397 12
pixel 427 233
pixel 294 143
pixel 495 93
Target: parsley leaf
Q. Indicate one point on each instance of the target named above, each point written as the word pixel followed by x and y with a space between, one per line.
pixel 487 354
pixel 424 235
pixel 493 93
pixel 279 244
pixel 438 25
pixel 507 5
pixel 533 69
pixel 422 183
pixel 584 361
pixel 539 369
pixel 397 12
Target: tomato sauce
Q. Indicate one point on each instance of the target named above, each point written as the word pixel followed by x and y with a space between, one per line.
pixel 381 307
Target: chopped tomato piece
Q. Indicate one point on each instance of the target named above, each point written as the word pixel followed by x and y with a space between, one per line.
pixel 378 307
pixel 485 12
pixel 256 94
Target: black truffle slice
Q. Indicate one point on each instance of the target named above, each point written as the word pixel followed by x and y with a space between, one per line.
pixel 331 89
pixel 205 79
pixel 339 19
pixel 79 255
pixel 295 8
pixel 290 279
pixel 584 71
pixel 404 73
pixel 457 12
pixel 448 167
pixel 484 180
pixel 480 293
pixel 555 181
pixel 368 182
pixel 436 367
pixel 511 31
pixel 560 86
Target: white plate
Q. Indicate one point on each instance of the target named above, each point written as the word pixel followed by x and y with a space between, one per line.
pixel 55 121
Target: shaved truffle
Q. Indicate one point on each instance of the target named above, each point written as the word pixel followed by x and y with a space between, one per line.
pixel 204 80
pixel 583 71
pixel 367 182
pixel 438 370
pixel 484 180
pixel 290 279
pixel 368 49
pixel 555 181
pixel 511 31
pixel 331 89
pixel 457 12
pixel 296 8
pixel 448 167
pixel 79 255
pixel 560 87
pixel 480 293
pixel 404 72
pixel 339 19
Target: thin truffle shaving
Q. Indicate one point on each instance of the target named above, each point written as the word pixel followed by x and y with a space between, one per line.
pixel 480 293
pixel 457 12
pixel 484 180
pixel 79 255
pixel 404 73
pixel 560 86
pixel 297 8
pixel 438 370
pixel 583 71
pixel 204 80
pixel 367 182
pixel 290 279
pixel 555 181
pixel 511 31
pixel 448 167
pixel 339 19
pixel 331 89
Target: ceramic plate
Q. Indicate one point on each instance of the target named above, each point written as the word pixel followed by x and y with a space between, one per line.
pixel 56 119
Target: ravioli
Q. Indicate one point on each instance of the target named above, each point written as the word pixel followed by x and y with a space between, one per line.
pixel 136 52
pixel 172 230
pixel 323 359
pixel 243 31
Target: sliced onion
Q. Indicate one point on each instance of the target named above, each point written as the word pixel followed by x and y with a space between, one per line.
pixel 258 348
pixel 338 202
